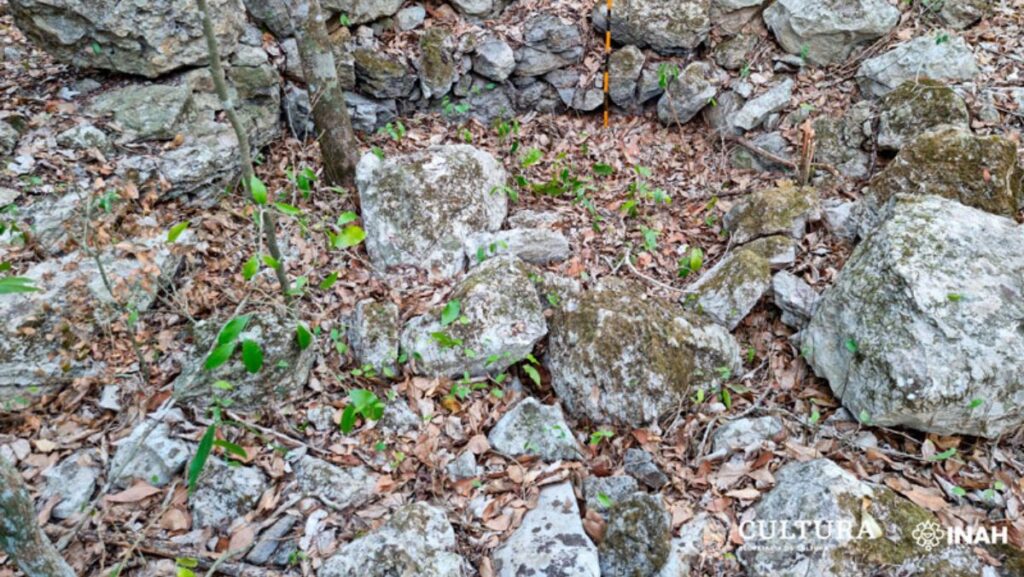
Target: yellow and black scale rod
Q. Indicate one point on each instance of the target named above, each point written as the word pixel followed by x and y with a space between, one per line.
pixel 607 63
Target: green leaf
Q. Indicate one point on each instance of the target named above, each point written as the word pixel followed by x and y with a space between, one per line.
pixel 532 157
pixel 348 419
pixel 232 329
pixel 349 237
pixel 287 209
pixel 219 355
pixel 251 267
pixel 451 312
pixel 532 373
pixel 202 454
pixel 259 191
pixel 864 417
pixel 252 356
pixel 231 448
pixel 303 336
pixel 270 261
pixel 851 345
pixel 176 230
pixel 975 403
pixel 959 491
pixel 604 500
pixel 948 453
pixel 16 284
pixel 602 169
pixel 347 217
pixel 329 281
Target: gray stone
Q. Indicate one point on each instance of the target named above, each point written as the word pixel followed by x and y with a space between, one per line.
pixel 336 486
pixel 936 56
pixel 284 372
pixel 463 467
pixel 625 66
pixel 772 142
pixel 686 95
pixel 225 493
pixel 612 489
pixel 549 43
pixel 363 11
pixel 820 490
pixel 399 419
pixel 649 85
pixel 382 75
pixel 146 39
pixel 667 27
pixel 734 53
pixel 719 118
pixel 703 536
pixel 538 246
pixel 916 107
pixel 84 136
pixel 601 375
pixel 795 297
pixel 936 280
pixel 494 59
pixel 741 434
pixel 778 250
pixel 374 334
pixel 756 110
pixel 480 8
pixel 274 15
pixel 8 138
pixel 531 428
pixel 640 465
pixel 156 460
pixel 961 14
pixel 457 192
pixel 503 322
pixel 146 112
pixel 521 219
pixel 840 217
pixel 271 540
pixel 322 418
pixel 785 209
pixel 417 540
pixel 732 288
pixel 637 538
pixel 731 16
pixel 73 481
pixel 841 140
pixel 410 18
pixel 436 63
pixel 828 31
pixel 551 540
pixel 369 115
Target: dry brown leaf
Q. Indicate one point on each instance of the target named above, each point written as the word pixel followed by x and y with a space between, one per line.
pixel 137 492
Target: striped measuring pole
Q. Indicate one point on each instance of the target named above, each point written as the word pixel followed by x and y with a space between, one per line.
pixel 607 63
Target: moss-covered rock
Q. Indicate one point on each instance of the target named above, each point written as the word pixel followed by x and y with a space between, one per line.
pixel 381 75
pixel 730 290
pixel 617 356
pixel 436 63
pixel 840 141
pixel 916 107
pixel 779 250
pixel 373 334
pixel 531 428
pixel 978 171
pixel 500 321
pixel 839 526
pixel 637 538
pixel 667 27
pixel 625 66
pixel 784 210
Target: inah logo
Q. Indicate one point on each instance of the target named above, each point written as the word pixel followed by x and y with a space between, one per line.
pixel 928 534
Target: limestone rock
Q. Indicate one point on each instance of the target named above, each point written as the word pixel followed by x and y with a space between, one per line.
pixel 820 490
pixel 779 250
pixel 795 297
pixel 284 372
pixel 463 467
pixel 225 493
pixel 537 246
pixel 8 138
pixel 159 456
pixel 686 95
pixel 549 43
pixel 416 540
pixel 937 56
pixel 961 14
pixel 625 66
pixel 741 434
pixel 730 290
pixel 73 480
pixel 612 489
pixel 374 334
pixel 382 76
pixel 363 11
pixel 273 15
pixel 339 487
pixel 84 136
pixel 667 27
pixel 410 18
pixel 436 63
pixel 733 53
pixel 146 112
pixel 418 209
pixel 146 39
pixel 772 142
pixel 841 141
pixel 640 465
pixel 399 419
pixel 503 322
pixel 918 106
pixel 637 537
pixel 936 280
pixel 531 428
pixel 480 8
pixel 618 357
pixel 551 540
pixel 494 59
pixel 786 209
pixel 828 31
pixel 271 540
pixel 978 171
pixel 730 16
pixel 756 110
pixel 704 536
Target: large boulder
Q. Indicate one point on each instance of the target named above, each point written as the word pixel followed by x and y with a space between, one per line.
pixel 551 540
pixel 840 526
pixel 416 540
pixel 617 356
pixel 828 31
pixel 918 106
pixel 923 326
pixel 937 56
pixel 500 320
pixel 667 27
pixel 419 208
pixel 144 38
pixel 979 171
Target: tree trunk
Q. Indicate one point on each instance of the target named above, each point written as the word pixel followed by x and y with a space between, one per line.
pixel 20 535
pixel 338 145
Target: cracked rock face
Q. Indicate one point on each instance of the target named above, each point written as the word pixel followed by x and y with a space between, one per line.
pixel 551 540
pixel 941 58
pixel 918 106
pixel 828 31
pixel 419 208
pixel 667 27
pixel 923 325
pixel 618 357
pixel 142 38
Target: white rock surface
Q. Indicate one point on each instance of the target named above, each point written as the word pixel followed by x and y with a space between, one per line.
pixel 531 428
pixel 937 56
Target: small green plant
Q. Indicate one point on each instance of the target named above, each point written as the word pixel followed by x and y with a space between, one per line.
pixel 396 130
pixel 691 263
pixel 600 435
pixel 667 73
pixel 16 284
pixel 639 190
pixel 362 403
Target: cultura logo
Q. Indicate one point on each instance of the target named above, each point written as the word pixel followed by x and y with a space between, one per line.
pixel 928 534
